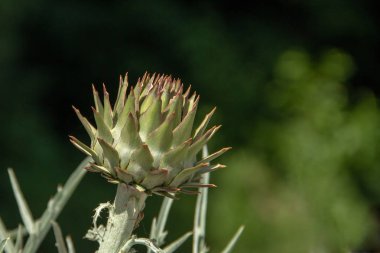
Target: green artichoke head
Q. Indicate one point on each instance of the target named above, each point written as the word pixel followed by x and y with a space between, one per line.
pixel 147 139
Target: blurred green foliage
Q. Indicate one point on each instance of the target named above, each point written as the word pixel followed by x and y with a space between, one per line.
pixel 294 82
pixel 301 176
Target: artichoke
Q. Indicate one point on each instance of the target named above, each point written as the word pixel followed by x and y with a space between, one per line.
pixel 147 139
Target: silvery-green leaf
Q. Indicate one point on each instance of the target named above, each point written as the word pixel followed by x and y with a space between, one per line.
pixel 97 168
pixel 233 241
pixel 197 146
pixel 202 127
pixel 151 119
pixel 25 212
pixel 154 178
pixel 210 168
pixel 148 100
pixel 84 148
pixel 104 131
pixel 60 242
pixel 124 176
pixel 175 106
pixel 55 206
pixel 108 114
pixel 160 139
pixel 186 174
pixel 110 155
pixel 140 163
pixel 176 156
pixel 177 243
pixel 214 155
pixel 70 244
pixel 128 108
pixel 183 131
pixel 190 103
pixel 19 238
pixel 129 140
pixel 87 125
pixel 97 101
pixel 147 81
pixel 165 97
pixel 119 104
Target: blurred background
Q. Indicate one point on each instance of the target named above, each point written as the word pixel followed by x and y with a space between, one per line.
pixel 296 84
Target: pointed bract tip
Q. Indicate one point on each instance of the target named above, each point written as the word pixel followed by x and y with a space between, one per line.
pixel 105 92
pixel 94 89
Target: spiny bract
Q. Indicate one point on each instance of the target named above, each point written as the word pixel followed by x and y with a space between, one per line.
pixel 147 140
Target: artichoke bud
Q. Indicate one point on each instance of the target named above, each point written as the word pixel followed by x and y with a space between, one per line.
pixel 147 138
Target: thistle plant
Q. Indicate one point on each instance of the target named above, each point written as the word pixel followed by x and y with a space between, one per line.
pixel 146 144
pixel 146 141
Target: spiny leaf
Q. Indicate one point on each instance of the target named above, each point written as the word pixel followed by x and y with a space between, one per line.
pixel 140 163
pixel 154 178
pixel 150 120
pixel 197 146
pixel 97 168
pixel 128 141
pixel 175 106
pixel 108 114
pixel 214 155
pixel 165 98
pixel 210 169
pixel 147 83
pixel 186 173
pixel 183 131
pixel 176 156
pixel 87 125
pixel 161 138
pixel 128 108
pixel 148 100
pixel 84 148
pixel 197 185
pixel 98 103
pixel 202 127
pixel 104 131
pixel 110 155
pixel 119 104
pixel 166 194
pixel 124 175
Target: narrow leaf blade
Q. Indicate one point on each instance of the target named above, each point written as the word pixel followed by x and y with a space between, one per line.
pixel 60 242
pixel 55 206
pixel 25 212
pixel 235 238
pixel 177 243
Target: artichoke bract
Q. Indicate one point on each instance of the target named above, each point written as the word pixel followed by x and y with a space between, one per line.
pixel 147 139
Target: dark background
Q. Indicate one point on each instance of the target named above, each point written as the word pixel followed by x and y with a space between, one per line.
pixel 296 84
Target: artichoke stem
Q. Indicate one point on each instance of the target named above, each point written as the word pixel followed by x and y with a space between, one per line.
pixel 124 216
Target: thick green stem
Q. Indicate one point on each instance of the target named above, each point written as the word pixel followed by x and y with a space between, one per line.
pixel 123 218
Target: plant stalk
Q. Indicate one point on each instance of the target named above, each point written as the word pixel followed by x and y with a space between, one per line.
pixel 124 216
